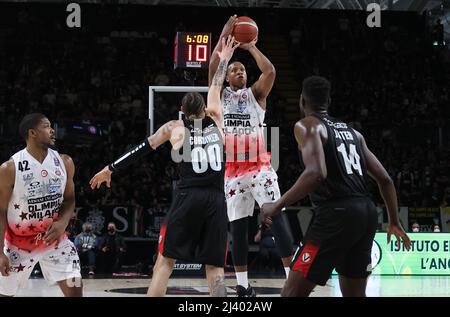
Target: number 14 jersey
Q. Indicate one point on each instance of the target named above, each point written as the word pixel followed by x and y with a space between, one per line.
pixel 346 166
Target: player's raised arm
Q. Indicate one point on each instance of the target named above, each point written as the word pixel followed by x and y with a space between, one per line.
pixel 215 59
pixel 308 135
pixel 387 191
pixel 214 109
pixel 163 134
pixel 262 87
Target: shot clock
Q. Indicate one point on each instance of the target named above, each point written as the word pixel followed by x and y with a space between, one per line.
pixel 192 50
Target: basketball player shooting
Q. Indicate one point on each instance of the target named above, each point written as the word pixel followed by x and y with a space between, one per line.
pixel 249 176
pixel 37 201
pixel 195 228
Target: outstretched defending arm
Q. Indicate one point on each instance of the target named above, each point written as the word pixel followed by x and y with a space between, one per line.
pixel 214 108
pixel 215 58
pixel 387 190
pixel 163 134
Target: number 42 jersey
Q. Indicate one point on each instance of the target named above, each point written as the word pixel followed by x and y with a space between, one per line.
pixel 36 198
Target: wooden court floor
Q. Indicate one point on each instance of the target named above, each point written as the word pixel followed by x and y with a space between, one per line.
pixel 378 286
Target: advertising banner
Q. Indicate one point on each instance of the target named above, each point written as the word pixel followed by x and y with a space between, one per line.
pixel 429 255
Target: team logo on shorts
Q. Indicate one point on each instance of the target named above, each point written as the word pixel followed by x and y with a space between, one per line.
pixel 44 173
pixel 306 257
pixel 14 257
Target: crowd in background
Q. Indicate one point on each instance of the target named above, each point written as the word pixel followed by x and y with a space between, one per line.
pixel 390 83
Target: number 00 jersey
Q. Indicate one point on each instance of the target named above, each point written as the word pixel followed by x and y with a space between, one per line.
pixel 202 153
pixel 346 166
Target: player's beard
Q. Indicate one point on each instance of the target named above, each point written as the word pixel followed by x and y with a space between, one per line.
pixel 51 146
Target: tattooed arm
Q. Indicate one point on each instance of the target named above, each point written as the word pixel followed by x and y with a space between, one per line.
pixel 214 108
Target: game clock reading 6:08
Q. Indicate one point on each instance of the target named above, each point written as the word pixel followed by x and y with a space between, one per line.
pixel 192 50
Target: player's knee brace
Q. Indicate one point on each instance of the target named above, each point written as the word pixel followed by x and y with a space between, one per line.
pixel 239 245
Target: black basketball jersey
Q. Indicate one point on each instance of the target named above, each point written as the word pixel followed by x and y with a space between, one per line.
pixel 202 153
pixel 346 166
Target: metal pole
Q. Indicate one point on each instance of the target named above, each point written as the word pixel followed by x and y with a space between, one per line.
pixel 151 99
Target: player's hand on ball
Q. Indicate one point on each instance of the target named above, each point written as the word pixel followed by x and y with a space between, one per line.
pixel 248 46
pixel 4 264
pixel 229 26
pixel 103 176
pixel 228 47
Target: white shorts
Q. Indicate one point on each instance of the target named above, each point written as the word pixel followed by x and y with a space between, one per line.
pixel 242 191
pixel 57 264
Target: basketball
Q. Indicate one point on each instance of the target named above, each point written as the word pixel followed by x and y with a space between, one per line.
pixel 245 30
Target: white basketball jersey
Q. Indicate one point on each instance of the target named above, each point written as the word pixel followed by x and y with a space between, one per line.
pixel 241 112
pixel 38 193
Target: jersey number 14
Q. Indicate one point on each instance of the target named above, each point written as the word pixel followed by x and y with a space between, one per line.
pixel 351 160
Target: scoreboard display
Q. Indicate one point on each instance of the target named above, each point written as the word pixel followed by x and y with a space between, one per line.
pixel 192 50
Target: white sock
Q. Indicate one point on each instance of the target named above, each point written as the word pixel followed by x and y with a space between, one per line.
pixel 287 269
pixel 242 279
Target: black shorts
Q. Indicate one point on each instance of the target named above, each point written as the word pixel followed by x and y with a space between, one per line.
pixel 340 237
pixel 195 228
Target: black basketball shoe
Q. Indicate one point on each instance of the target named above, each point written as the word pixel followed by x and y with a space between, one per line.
pixel 242 292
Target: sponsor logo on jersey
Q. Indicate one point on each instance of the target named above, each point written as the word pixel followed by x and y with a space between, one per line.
pixel 34 184
pixel 35 189
pixel 28 178
pixel 54 185
pixel 58 172
pixel 241 107
pixel 56 161
pixel 44 173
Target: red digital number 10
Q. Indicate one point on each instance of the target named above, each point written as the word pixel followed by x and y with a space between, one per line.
pixel 200 53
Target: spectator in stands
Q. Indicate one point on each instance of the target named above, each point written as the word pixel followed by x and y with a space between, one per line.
pixel 74 228
pixel 436 228
pixel 85 243
pixel 112 249
pixel 415 227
